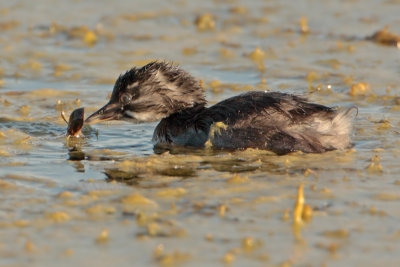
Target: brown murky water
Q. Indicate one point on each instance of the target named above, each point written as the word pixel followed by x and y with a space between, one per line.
pixel 108 199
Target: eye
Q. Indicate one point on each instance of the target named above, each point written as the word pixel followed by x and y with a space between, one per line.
pixel 125 99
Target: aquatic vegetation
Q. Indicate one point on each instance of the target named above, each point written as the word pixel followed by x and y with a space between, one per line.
pixel 360 89
pixel 205 22
pixel 385 37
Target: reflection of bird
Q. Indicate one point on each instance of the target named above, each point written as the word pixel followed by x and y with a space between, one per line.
pixel 274 121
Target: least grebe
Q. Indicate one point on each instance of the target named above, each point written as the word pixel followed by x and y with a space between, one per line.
pixel 274 121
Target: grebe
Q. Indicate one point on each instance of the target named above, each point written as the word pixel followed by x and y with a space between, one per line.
pixel 273 121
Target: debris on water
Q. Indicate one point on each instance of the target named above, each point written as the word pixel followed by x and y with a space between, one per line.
pixel 339 233
pixel 237 179
pixel 59 69
pixel 304 25
pixel 222 210
pixel 29 246
pixel 373 211
pixel 153 229
pixel 77 102
pixel 58 216
pixel 286 215
pixel 174 258
pixel 90 38
pixel 137 200
pixel 301 213
pixel 386 197
pixel 228 258
pixel 189 51
pixel 310 77
pixel 121 176
pixel 172 192
pixel 32 65
pixel 176 170
pixel 299 206
pixel 65 194
pixel 249 243
pixel 359 89
pixel 24 110
pixel 103 237
pixel 205 22
pixel 100 210
pixel 375 168
pixel 258 56
pixel 75 122
pixel 307 213
pixel 385 37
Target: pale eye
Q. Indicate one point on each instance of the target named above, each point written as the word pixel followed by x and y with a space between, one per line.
pixel 125 99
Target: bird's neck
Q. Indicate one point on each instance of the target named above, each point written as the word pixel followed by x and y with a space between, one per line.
pixel 186 115
pixel 183 123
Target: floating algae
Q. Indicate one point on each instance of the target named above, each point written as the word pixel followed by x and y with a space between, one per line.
pixel 385 37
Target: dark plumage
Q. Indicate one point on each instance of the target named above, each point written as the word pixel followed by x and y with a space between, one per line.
pixel 273 121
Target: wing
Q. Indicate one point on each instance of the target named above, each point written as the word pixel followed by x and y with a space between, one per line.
pixel 259 109
pixel 279 122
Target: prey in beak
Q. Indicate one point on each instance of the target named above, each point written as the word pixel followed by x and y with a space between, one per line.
pixel 111 111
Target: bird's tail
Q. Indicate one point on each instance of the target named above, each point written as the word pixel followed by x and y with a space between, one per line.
pixel 338 136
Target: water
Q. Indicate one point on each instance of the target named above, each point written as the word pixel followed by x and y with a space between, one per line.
pixel 59 202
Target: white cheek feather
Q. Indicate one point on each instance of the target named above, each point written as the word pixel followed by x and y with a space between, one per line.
pixel 143 116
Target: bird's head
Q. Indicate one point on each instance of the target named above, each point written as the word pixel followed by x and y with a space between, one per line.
pixel 150 93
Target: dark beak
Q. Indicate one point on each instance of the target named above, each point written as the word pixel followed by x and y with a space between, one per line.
pixel 110 111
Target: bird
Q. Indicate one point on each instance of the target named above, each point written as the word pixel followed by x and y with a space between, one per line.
pixel 273 121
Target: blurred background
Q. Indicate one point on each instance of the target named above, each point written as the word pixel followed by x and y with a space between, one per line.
pixel 92 42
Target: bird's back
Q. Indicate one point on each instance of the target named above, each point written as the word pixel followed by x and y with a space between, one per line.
pixel 274 121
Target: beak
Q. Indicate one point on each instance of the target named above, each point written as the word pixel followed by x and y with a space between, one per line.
pixel 106 113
